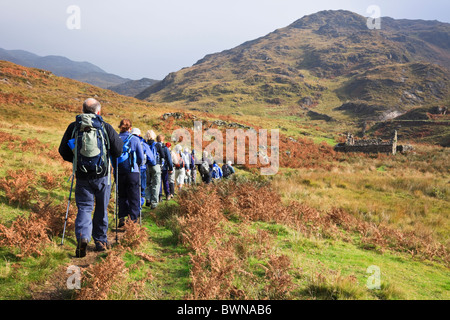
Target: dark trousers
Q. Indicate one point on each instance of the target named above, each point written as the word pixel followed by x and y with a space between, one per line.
pixel 143 181
pixel 207 178
pixel 165 182
pixel 129 195
pixel 90 193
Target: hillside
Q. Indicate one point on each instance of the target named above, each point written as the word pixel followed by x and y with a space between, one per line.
pixel 312 231
pixel 63 67
pixel 323 66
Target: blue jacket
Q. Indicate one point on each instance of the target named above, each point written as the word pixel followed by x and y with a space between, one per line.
pixel 218 170
pixel 168 163
pixel 135 150
pixel 146 150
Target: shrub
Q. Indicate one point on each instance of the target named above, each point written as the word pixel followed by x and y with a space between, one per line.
pixel 102 277
pixel 19 186
pixel 134 235
pixel 53 216
pixel 29 236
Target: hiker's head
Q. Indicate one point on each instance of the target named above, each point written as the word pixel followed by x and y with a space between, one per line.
pixel 178 148
pixel 160 138
pixel 186 150
pixel 168 145
pixel 136 132
pixel 150 135
pixel 91 106
pixel 125 125
pixel 229 163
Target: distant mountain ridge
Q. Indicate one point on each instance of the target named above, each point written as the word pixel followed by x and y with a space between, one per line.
pixel 330 59
pixel 63 67
pixel 133 87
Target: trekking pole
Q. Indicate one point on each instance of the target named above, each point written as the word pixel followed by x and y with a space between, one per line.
pixel 116 213
pixel 67 211
pixel 140 200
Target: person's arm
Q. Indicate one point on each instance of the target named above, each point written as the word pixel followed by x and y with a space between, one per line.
pixel 139 151
pixel 192 162
pixel 147 151
pixel 64 150
pixel 115 142
pixel 169 160
pixel 187 163
pixel 161 152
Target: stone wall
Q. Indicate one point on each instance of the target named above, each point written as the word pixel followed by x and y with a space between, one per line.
pixel 369 145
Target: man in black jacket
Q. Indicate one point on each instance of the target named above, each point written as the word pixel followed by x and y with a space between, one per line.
pixel 166 169
pixel 93 187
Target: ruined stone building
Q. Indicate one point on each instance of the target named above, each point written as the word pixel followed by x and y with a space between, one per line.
pixel 372 145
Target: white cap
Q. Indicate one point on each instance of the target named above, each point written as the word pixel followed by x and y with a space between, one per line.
pixel 136 131
pixel 150 135
pixel 229 163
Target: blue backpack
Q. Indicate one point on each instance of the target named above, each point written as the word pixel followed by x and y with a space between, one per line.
pixel 154 153
pixel 148 156
pixel 127 154
pixel 216 172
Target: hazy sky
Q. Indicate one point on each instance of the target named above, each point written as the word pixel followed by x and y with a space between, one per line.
pixel 147 38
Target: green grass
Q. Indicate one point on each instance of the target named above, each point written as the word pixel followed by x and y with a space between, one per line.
pixel 17 276
pixel 401 276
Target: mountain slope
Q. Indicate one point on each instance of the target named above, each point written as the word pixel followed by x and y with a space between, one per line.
pixel 324 59
pixel 133 87
pixel 63 67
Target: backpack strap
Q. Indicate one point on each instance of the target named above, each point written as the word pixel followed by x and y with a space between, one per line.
pixel 75 156
pixel 106 152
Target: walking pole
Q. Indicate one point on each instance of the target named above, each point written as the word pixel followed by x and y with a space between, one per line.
pixel 67 211
pixel 140 201
pixel 116 171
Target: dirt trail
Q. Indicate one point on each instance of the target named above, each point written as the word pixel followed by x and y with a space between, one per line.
pixel 55 288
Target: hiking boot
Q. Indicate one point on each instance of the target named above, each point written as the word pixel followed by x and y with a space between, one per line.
pixel 101 246
pixel 121 223
pixel 80 252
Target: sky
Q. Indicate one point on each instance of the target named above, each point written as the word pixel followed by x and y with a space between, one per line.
pixel 147 38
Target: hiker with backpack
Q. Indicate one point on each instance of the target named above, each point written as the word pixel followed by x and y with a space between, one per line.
pixel 227 170
pixel 188 166
pixel 89 144
pixel 193 168
pixel 171 174
pixel 153 171
pixel 129 174
pixel 216 172
pixel 166 169
pixel 204 168
pixel 148 160
pixel 180 166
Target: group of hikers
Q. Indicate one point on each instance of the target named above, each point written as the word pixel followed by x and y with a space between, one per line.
pixel 143 168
